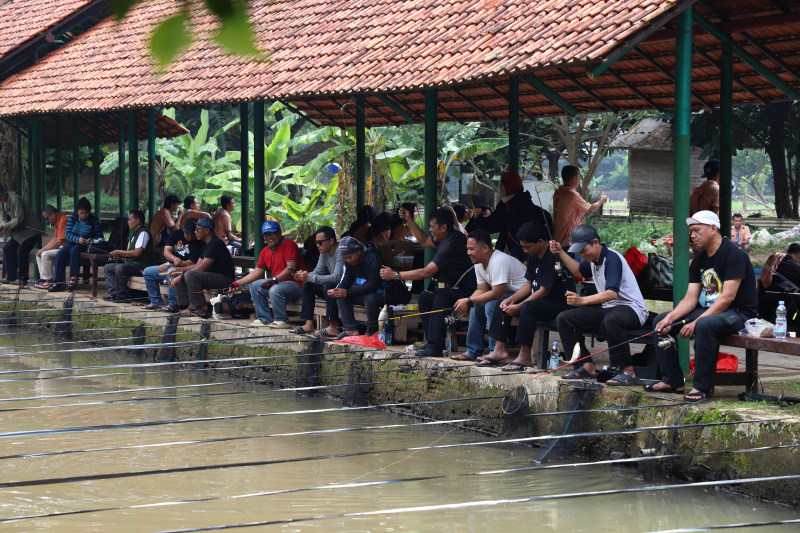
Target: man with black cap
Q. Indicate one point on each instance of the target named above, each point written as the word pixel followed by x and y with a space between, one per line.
pixel 360 284
pixel 719 300
pixel 182 251
pixel 214 271
pixel 282 258
pixel 706 196
pixel 617 307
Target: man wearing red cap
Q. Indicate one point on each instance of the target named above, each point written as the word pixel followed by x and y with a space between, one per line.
pixel 515 208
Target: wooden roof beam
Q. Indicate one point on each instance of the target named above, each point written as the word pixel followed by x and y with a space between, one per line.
pixel 671 77
pixel 733 26
pixel 323 113
pixel 505 97
pixel 300 112
pixel 472 104
pixel 746 57
pixel 399 108
pixel 585 89
pixel 343 107
pixel 554 97
pixel 377 110
pixel 628 86
pixel 736 80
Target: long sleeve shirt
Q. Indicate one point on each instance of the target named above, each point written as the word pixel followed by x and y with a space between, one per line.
pixel 18 218
pixel 363 278
pixel 329 268
pixel 80 229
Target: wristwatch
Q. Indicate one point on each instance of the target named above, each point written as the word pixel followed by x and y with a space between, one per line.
pixel 397 276
pixel 469 302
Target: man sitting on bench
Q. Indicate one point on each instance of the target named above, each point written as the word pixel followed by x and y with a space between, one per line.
pixel 453 266
pixel 499 275
pixel 617 307
pixel 181 251
pixel 541 298
pixel 317 283
pixel 360 285
pixel 719 300
pixel 137 256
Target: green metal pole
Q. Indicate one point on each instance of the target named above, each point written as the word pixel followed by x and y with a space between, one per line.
pixel 133 160
pixel 683 95
pixel 259 199
pixel 151 162
pixel 726 139
pixel 244 208
pixel 35 161
pixel 20 162
pixel 361 152
pixel 59 175
pixel 121 163
pixel 76 163
pixel 431 159
pixel 96 159
pixel 513 124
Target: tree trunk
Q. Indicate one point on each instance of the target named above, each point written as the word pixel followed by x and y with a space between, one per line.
pixel 776 114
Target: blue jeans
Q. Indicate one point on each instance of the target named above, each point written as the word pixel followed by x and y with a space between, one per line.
pixel 153 279
pixel 478 317
pixel 278 294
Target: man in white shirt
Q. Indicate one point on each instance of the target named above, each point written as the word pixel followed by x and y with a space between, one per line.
pixel 499 276
pixel 617 307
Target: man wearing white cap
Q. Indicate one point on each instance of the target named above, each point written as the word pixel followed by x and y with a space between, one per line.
pixel 720 298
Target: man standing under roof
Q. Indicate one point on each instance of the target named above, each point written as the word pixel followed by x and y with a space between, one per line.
pixel 720 299
pixel 281 257
pixel 17 219
pixel 706 196
pixel 569 206
pixel 451 263
pixel 617 307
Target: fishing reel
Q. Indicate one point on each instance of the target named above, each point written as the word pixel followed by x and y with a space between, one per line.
pixel 450 320
pixel 666 342
pixel 561 270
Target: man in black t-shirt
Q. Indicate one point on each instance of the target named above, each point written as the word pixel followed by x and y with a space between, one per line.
pixel 454 267
pixel 181 251
pixel 720 298
pixel 214 271
pixel 543 297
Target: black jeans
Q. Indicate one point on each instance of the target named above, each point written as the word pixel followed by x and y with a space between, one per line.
pixel 433 324
pixel 706 332
pixel 613 322
pixel 372 305
pixel 15 256
pixel 193 284
pixel 529 314
pixel 117 275
pixel 310 293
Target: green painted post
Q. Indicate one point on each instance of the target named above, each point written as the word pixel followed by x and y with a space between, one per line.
pixel 259 198
pixel 513 124
pixel 431 159
pixel 96 160
pixel 151 162
pixel 683 97
pixel 59 175
pixel 361 153
pixel 20 162
pixel 244 208
pixel 133 161
pixel 121 161
pixel 35 162
pixel 76 163
pixel 726 139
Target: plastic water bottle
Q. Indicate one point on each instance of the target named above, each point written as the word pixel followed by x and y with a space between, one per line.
pixel 780 321
pixel 554 362
pixel 448 344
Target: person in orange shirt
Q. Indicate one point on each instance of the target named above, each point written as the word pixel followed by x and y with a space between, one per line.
pixel 192 210
pixel 569 206
pixel 740 234
pixel 223 224
pixel 46 256
pixel 164 222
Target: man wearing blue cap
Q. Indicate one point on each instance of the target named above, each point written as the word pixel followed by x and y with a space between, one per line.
pixel 17 219
pixel 706 196
pixel 282 258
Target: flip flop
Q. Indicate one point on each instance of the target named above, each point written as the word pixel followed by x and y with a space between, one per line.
pixel 581 373
pixel 699 396
pixel 324 335
pixel 623 380
pixel 672 390
pixel 466 356
pixel 514 367
pixel 300 331
pixel 488 361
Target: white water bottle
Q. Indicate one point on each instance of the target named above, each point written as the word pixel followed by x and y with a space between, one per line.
pixel 554 361
pixel 780 321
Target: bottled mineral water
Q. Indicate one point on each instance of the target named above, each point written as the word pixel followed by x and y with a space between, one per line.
pixel 780 321
pixel 554 363
pixel 448 344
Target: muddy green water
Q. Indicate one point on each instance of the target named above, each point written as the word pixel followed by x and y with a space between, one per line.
pixel 644 511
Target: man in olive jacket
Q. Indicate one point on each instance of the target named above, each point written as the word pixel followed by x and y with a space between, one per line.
pixel 18 220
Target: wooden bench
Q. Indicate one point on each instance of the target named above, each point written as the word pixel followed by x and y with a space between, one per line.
pixel 752 345
pixel 95 260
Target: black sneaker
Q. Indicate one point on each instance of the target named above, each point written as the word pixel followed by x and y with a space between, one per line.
pixel 108 298
pixel 429 350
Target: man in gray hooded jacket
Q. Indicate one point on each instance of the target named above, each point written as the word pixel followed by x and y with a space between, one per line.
pixel 19 220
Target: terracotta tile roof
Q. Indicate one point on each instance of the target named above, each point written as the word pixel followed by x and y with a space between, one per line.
pixel 22 20
pixel 323 51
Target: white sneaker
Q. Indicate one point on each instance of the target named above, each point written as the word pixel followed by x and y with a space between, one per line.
pixel 280 325
pixel 257 324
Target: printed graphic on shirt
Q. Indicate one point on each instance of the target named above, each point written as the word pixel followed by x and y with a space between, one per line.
pixel 712 287
pixel 535 282
pixel 181 248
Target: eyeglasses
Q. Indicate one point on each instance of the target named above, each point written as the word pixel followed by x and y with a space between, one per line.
pixel 320 243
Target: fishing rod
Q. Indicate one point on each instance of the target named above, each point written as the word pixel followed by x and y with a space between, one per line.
pixel 312 411
pixel 488 503
pixel 339 486
pixel 731 526
pixel 70 343
pixel 184 469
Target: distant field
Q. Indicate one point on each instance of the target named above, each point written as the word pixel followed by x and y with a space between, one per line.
pixel 620 208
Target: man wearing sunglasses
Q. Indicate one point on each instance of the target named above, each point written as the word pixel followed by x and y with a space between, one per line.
pixel 317 284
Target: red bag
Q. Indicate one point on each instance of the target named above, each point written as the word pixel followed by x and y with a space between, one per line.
pixel 726 362
pixel 363 340
pixel 636 260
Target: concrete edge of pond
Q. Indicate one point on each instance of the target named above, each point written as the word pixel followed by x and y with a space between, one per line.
pixel 368 376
